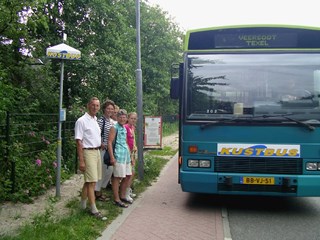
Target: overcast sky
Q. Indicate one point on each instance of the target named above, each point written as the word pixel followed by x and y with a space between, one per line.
pixel 192 14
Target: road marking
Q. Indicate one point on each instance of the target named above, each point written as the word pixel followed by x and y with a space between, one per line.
pixel 226 227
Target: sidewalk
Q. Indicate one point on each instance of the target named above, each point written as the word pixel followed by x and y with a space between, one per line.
pixel 165 212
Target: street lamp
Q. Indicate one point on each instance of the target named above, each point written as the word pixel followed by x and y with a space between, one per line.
pixel 139 95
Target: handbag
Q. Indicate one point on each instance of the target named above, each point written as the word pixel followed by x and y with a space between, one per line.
pixel 106 156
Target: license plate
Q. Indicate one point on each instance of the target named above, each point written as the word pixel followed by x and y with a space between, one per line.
pixel 257 180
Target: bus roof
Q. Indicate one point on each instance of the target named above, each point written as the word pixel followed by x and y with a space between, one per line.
pixel 253 37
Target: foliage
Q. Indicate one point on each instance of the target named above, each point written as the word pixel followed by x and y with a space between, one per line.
pixel 105 33
pixel 22 27
pixel 161 46
pixel 79 224
pixel 169 128
pixel 31 168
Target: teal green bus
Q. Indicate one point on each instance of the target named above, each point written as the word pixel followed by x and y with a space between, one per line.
pixel 249 110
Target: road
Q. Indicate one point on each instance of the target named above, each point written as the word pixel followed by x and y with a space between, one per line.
pixel 266 218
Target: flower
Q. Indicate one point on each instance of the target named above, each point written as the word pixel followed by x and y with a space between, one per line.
pixel 38 162
pixel 32 134
pixel 55 164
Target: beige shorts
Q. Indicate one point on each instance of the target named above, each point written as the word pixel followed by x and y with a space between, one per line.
pixel 92 160
pixel 122 170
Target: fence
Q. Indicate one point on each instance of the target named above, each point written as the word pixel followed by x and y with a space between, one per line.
pixel 28 144
pixel 28 138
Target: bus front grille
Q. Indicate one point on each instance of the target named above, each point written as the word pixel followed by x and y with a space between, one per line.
pixel 258 165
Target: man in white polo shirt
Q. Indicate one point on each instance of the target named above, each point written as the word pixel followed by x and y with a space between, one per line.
pixel 88 139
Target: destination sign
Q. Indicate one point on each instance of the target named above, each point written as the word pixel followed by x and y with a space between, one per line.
pixel 253 38
pixel 268 40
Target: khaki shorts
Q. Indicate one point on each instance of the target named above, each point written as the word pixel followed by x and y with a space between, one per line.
pixel 122 170
pixel 92 160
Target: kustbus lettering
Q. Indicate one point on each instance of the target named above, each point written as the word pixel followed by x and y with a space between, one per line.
pixel 260 151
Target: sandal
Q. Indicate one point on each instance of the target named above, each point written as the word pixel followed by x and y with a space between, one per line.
pixel 102 198
pixel 120 204
pixel 99 216
pixel 126 201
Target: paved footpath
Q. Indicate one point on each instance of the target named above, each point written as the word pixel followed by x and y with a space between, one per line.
pixel 165 212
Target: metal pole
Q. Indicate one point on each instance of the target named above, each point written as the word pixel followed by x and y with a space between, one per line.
pixel 139 96
pixel 58 176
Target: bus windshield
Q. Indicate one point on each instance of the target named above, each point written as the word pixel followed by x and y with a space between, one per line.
pixel 223 86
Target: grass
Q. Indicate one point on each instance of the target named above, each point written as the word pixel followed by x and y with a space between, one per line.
pixel 169 128
pixel 79 224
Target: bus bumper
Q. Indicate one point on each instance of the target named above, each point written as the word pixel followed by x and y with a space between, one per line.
pixel 223 183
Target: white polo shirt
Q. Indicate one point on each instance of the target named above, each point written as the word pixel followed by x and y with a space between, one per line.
pixel 88 131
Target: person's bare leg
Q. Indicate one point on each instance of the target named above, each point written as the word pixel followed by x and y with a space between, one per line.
pixel 124 185
pixel 115 188
pixel 91 197
pixel 84 196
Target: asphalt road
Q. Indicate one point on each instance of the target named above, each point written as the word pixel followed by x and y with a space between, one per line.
pixel 265 218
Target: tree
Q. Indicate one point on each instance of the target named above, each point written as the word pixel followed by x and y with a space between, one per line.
pixel 104 31
pixel 161 47
pixel 22 27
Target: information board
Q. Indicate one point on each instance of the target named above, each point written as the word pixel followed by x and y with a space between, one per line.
pixel 152 132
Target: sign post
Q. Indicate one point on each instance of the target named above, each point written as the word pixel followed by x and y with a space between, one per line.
pixel 63 52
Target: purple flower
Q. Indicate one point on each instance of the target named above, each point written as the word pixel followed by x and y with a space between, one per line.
pixel 55 164
pixel 32 134
pixel 38 162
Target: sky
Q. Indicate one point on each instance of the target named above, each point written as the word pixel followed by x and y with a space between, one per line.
pixel 193 14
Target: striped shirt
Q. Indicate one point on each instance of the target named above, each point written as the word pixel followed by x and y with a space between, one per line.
pixel 121 153
pixel 106 130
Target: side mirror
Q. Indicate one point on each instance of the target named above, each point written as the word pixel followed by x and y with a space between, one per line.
pixel 175 88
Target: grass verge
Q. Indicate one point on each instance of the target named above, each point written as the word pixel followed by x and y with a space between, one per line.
pixel 78 224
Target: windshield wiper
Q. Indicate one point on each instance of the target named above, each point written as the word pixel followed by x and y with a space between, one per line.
pixel 203 126
pixel 236 119
pixel 285 116
pixel 308 126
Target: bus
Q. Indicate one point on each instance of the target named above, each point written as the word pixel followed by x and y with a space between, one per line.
pixel 249 112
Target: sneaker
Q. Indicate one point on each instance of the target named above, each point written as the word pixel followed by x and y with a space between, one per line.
pixel 129 199
pixel 125 200
pixel 131 194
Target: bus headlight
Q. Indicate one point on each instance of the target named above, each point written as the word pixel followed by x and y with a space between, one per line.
pixel 192 163
pixel 204 163
pixel 312 166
